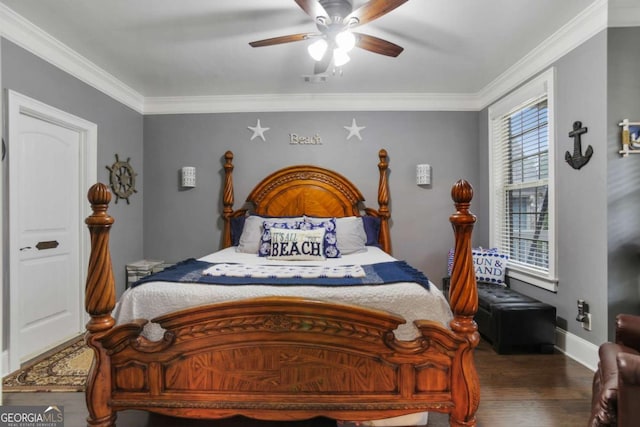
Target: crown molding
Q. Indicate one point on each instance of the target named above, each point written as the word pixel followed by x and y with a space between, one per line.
pixel 311 102
pixel 28 36
pixel 580 29
pixel 31 38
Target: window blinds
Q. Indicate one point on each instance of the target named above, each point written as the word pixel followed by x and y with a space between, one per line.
pixel 521 182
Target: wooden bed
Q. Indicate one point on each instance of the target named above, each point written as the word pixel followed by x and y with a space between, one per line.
pixel 285 358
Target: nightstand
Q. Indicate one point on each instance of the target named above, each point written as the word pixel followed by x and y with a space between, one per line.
pixel 139 269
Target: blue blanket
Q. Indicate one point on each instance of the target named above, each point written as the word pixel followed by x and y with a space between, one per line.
pixel 190 271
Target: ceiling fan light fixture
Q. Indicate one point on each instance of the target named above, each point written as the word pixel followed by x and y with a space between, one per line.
pixel 340 57
pixel 335 20
pixel 346 40
pixel 317 49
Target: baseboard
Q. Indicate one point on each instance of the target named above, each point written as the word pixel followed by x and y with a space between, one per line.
pixel 579 349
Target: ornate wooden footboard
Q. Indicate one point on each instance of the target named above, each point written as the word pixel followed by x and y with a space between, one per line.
pixel 284 358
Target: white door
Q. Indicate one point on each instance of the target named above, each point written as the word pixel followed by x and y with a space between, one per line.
pixel 47 186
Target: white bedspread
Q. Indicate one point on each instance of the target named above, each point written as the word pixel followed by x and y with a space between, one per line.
pixel 410 300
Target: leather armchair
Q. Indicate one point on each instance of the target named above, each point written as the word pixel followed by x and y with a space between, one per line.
pixel 616 382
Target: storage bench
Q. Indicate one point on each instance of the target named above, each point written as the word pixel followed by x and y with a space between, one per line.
pixel 511 321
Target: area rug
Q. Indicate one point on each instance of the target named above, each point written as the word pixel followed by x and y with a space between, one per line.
pixel 65 370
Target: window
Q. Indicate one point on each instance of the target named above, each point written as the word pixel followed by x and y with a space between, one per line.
pixel 522 181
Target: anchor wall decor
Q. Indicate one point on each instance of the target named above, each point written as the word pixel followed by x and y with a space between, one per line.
pixel 578 160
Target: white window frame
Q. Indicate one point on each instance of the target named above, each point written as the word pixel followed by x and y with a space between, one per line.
pixel 539 86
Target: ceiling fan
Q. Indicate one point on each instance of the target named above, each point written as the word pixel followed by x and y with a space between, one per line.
pixel 335 20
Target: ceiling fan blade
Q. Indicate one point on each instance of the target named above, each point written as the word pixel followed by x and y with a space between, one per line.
pixel 313 8
pixel 373 10
pixel 282 39
pixel 376 45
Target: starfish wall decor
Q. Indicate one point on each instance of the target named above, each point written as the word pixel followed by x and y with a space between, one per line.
pixel 354 130
pixel 258 130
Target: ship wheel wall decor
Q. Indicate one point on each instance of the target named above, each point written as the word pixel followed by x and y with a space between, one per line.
pixel 122 179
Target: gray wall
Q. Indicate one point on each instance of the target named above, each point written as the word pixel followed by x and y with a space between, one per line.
pixel 596 205
pixel 119 131
pixel 581 195
pixel 623 177
pixel 180 224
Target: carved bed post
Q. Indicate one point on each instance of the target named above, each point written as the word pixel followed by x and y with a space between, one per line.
pixel 463 297
pixel 227 199
pixel 383 202
pixel 100 299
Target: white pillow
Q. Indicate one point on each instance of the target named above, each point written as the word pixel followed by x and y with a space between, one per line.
pixel 252 232
pixel 351 235
pixel 297 244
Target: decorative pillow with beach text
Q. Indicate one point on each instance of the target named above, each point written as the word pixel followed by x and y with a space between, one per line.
pixel 297 244
pixel 267 226
pixel 330 237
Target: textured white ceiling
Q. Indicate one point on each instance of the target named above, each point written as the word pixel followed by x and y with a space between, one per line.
pixel 200 47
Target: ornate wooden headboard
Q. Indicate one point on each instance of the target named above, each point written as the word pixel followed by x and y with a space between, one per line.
pixel 308 190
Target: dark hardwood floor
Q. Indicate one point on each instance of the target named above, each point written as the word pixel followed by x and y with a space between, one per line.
pixel 524 390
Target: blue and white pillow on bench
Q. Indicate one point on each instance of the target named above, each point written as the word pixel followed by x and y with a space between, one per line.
pixel 489 265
